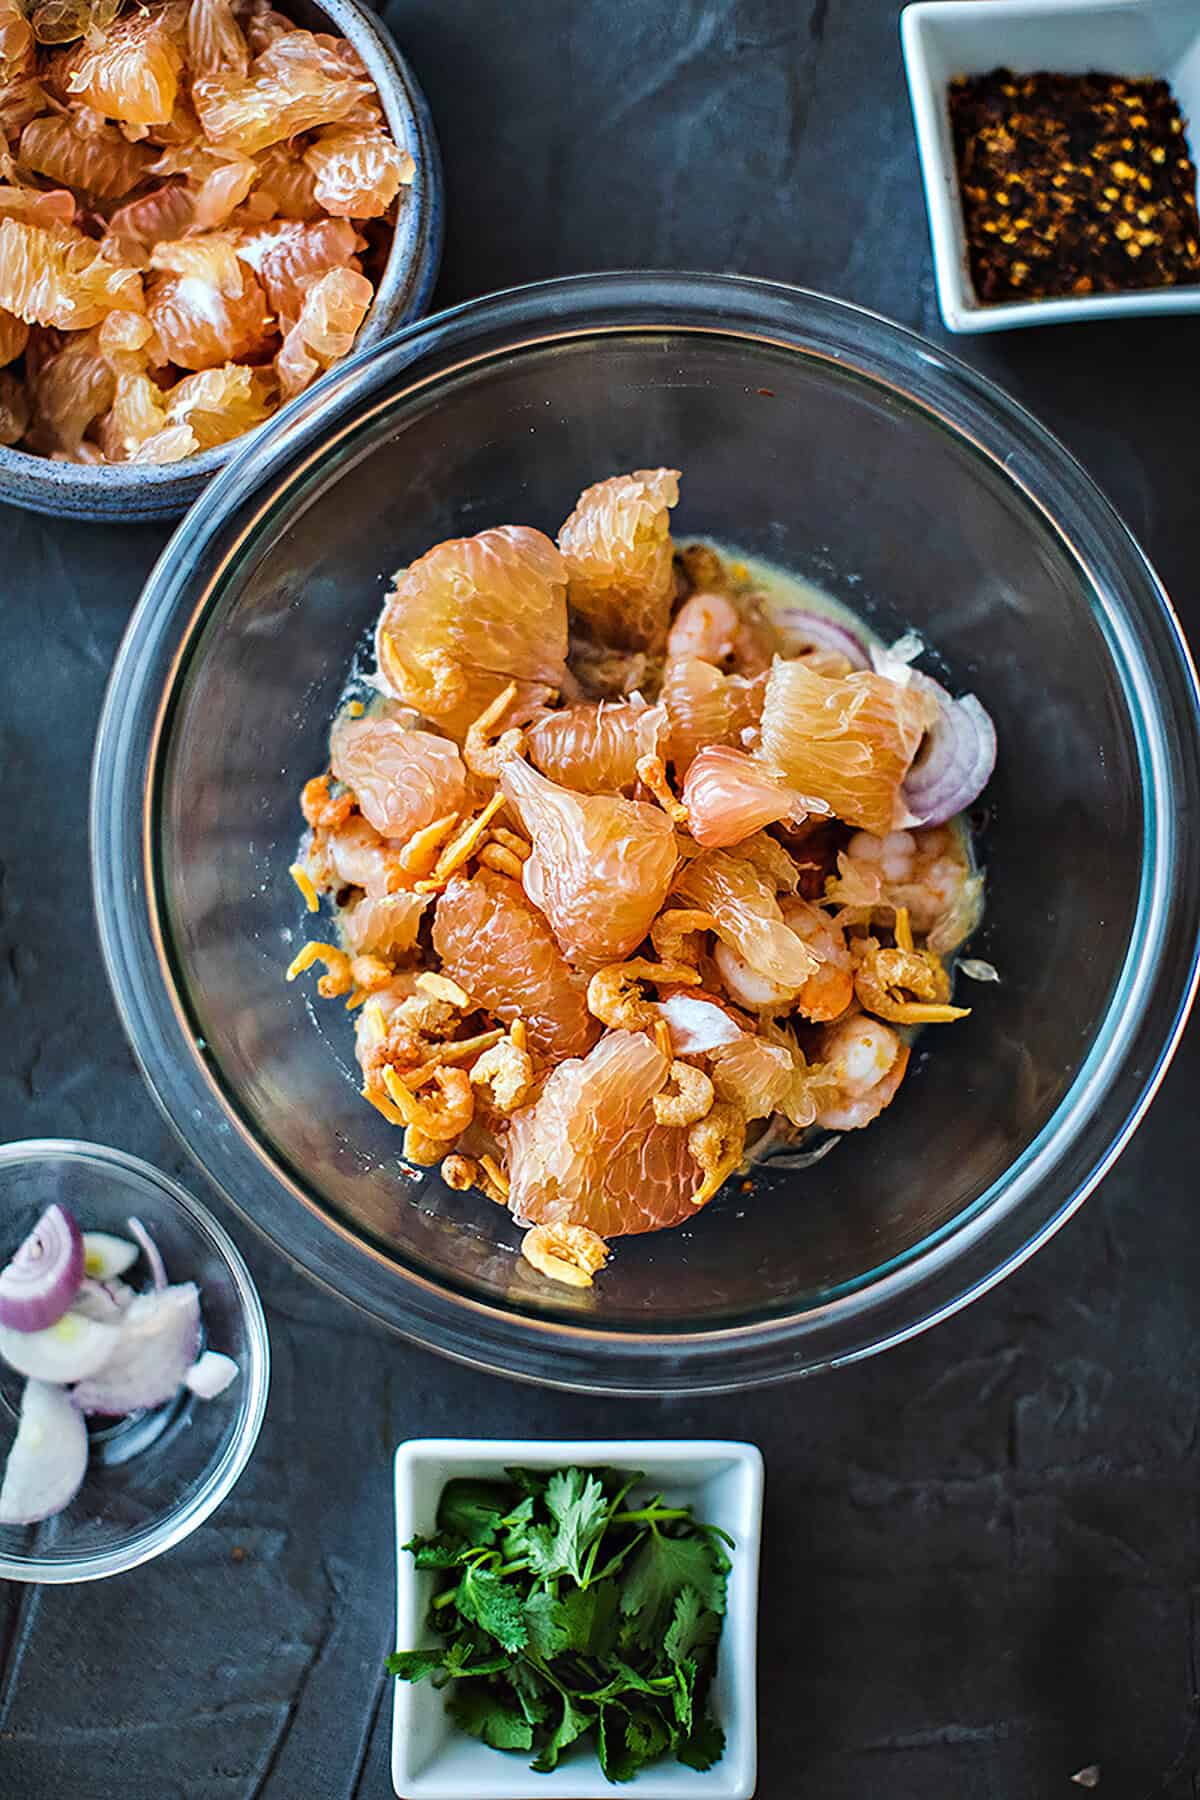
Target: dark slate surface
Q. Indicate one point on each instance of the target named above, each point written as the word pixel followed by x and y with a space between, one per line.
pixel 981 1550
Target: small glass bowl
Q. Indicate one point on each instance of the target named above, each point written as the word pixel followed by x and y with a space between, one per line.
pixel 154 1477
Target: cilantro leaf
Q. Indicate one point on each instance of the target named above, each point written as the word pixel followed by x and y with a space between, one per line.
pixel 577 1503
pixel 435 1552
pixel 663 1568
pixel 465 1658
pixel 472 1510
pixel 546 1625
pixel 493 1604
pixel 481 1712
pixel 616 1759
pixel 574 1722
pixel 704 1747
pixel 692 1628
pixel 415 1665
pixel 515 1524
pixel 646 1735
pixel 584 1619
pixel 684 1697
pixel 531 1482
pixel 534 1693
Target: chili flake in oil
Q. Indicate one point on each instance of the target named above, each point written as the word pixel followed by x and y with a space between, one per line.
pixel 1073 184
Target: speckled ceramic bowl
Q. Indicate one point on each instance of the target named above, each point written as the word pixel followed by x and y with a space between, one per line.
pixel 147 491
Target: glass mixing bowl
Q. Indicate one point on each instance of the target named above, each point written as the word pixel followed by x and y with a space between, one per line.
pixel 856 455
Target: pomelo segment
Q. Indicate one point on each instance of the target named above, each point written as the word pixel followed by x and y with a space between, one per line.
pixel 617 547
pixel 849 740
pixel 594 746
pixel 357 172
pixel 130 71
pixel 219 404
pixel 590 1151
pixel 59 278
pixel 298 82
pixel 334 306
pixel 497 946
pixel 470 616
pixel 706 707
pixel 403 780
pixel 742 901
pixel 68 392
pixel 100 162
pixel 601 866
pixel 730 795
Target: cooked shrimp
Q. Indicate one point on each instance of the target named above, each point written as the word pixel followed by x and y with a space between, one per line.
pixel 706 626
pixel 686 1098
pixel 614 993
pixel 567 1253
pixel 360 857
pixel 717 1142
pixel 827 993
pixel 322 809
pixel 339 978
pixel 675 933
pixel 442 1118
pixel 410 1028
pixel 907 986
pixel 507 1072
pixel 710 628
pixel 747 987
pixel 926 871
pixel 868 1060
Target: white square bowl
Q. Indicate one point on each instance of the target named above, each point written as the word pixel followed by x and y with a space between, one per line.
pixel 945 38
pixel 432 1760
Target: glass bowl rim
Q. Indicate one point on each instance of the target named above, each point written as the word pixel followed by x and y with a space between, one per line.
pixel 971 1253
pixel 163 1534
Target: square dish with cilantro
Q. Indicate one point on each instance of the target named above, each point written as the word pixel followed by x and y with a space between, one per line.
pixel 593 1614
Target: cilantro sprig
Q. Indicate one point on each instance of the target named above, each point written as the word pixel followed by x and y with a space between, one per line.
pixel 566 1610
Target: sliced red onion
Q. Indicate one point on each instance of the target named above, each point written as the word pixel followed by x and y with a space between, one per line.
pixel 103 1300
pixel 43 1277
pixel 823 632
pixel 697 1025
pixel 46 1464
pixel 211 1375
pixel 106 1257
pixel 73 1349
pixel 955 762
pixel 158 1341
pixel 151 1252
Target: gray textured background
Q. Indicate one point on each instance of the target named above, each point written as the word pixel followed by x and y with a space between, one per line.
pixel 981 1551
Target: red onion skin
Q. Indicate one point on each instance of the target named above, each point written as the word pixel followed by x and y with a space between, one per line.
pixel 152 1253
pixel 39 1284
pixel 826 633
pixel 962 750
